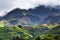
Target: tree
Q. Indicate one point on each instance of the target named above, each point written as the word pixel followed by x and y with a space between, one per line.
pixel 19 26
pixel 37 38
pixel 17 38
pixel 14 38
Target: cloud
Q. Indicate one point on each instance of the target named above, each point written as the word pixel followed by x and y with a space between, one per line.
pixel 27 4
pixel 7 5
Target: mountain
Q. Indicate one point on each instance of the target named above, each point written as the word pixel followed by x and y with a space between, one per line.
pixel 0 18
pixel 15 13
pixel 13 22
pixel 58 19
pixel 23 15
pixel 20 14
pixel 48 20
pixel 38 15
pixel 26 20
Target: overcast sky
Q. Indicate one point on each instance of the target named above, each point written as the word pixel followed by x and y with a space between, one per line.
pixel 8 5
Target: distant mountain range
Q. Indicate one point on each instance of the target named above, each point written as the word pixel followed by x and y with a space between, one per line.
pixel 38 15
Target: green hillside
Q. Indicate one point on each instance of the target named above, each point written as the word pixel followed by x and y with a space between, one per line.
pixel 53 34
pixel 34 33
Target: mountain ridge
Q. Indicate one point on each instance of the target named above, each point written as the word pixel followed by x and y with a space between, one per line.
pixel 35 15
